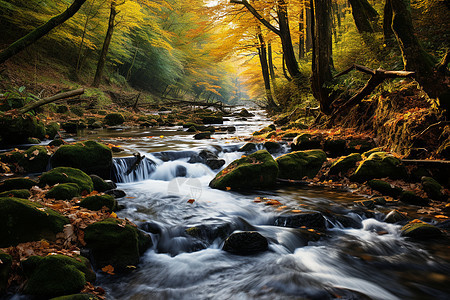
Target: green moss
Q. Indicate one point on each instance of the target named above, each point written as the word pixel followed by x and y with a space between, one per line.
pixel 298 164
pixel 114 119
pixel 99 184
pixel 420 230
pixel 257 170
pixel 267 129
pixel 368 153
pixel 52 130
pixel 35 159
pixel 23 221
pixel 114 244
pixel 385 188
pixel 56 275
pixel 344 164
pixel 289 135
pixel 64 191
pixel 17 129
pixel 272 147
pixel 5 268
pixel 67 175
pixel 17 184
pixel 24 194
pixel 78 111
pixel 432 188
pixel 306 141
pixel 89 156
pixel 97 202
pixel 248 147
pixel 271 134
pixel 77 297
pixel 70 127
pixel 11 157
pixel 33 140
pixel 410 197
pixel 379 165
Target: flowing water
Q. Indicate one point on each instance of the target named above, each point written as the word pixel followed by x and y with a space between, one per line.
pixel 359 256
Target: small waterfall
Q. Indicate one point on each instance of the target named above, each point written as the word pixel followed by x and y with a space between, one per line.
pixel 131 169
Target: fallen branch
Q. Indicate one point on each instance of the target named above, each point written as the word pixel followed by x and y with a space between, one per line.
pixel 51 99
pixel 378 76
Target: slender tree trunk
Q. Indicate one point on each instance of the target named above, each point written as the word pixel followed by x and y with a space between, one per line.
pixel 361 16
pixel 132 64
pixel 322 52
pixel 106 43
pixel 301 36
pixel 80 48
pixel 388 33
pixel 39 32
pixel 262 52
pixel 271 71
pixel 308 32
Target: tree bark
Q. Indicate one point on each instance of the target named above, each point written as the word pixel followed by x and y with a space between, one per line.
pixel 308 32
pixel 361 17
pixel 106 43
pixel 39 32
pixel 322 52
pixel 272 71
pixel 50 99
pixel 387 24
pixel 262 52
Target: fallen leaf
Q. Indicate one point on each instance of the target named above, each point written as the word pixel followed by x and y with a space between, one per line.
pixel 108 269
pixel 191 201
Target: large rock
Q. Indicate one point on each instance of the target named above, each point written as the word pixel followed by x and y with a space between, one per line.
pixel 114 119
pixel 379 165
pixel 310 220
pixel 17 184
pixel 385 188
pixel 56 275
pixel 245 243
pixel 306 141
pixel 97 202
pixel 245 113
pixel 17 129
pixel 432 188
pixel 112 243
pixel 35 159
pixel 101 185
pixel 23 221
pixel 344 164
pixel 395 216
pixel 298 164
pixel 24 194
pixel 5 268
pixel 211 119
pixel 208 158
pixel 257 170
pixel 410 197
pixel 67 175
pixel 418 229
pixel 89 156
pixel 335 147
pixel 64 191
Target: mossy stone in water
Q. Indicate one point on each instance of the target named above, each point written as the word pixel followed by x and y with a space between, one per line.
pixel 298 164
pixel 56 275
pixel 64 191
pixel 17 184
pixel 11 157
pixel 344 164
pixel 385 188
pixel 113 244
pixel 89 156
pixel 77 297
pixel 35 159
pixel 248 147
pixel 57 143
pixel 257 170
pixel 23 221
pixel 432 188
pixel 70 127
pixel 246 243
pixel 67 175
pixel 24 194
pixel 99 184
pixel 202 135
pixel 379 165
pixel 97 202
pixel 410 197
pixel 5 268
pixel 272 147
pixel 418 229
pixel 114 119
pixel 52 130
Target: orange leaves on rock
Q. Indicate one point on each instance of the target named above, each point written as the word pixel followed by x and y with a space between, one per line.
pixel 273 202
pixel 108 269
pixel 191 201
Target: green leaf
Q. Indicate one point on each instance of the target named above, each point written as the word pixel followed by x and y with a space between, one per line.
pixel 21 89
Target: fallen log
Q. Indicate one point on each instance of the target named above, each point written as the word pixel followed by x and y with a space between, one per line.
pixel 51 99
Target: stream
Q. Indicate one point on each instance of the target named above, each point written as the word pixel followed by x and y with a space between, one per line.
pixel 358 257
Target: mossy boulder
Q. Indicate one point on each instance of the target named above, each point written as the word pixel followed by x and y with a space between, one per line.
pixel 395 216
pixel 202 136
pixel 64 191
pixel 410 197
pixel 33 140
pixel 257 170
pixel 24 194
pixel 432 188
pixel 344 164
pixel 379 165
pixel 114 119
pixel 266 129
pixel 368 153
pixel 306 141
pixel 11 157
pixel 113 244
pixel 212 119
pixel 77 297
pixel 97 202
pixel 385 188
pixel 70 126
pixel 100 185
pixel 246 243
pixel 418 229
pixel 52 129
pixel 310 220
pixel 5 268
pixel 67 175
pixel 335 147
pixel 35 159
pixel 245 113
pixel 56 275
pixel 272 147
pixel 17 129
pixel 89 156
pixel 248 147
pixel 298 164
pixel 361 145
pixel 23 221
pixel 17 184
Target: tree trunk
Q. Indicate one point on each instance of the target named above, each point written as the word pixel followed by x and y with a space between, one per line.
pixel 132 64
pixel 262 52
pixel 301 35
pixel 387 24
pixel 363 15
pixel 272 71
pixel 308 32
pixel 39 32
pixel 106 43
pixel 322 52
